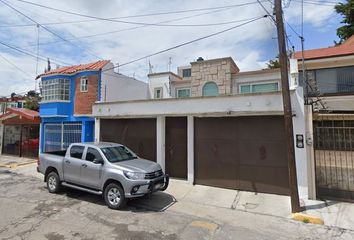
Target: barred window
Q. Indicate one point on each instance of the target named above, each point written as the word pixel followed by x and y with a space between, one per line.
pixel 56 89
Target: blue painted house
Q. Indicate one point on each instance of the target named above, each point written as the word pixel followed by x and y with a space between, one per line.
pixel 68 94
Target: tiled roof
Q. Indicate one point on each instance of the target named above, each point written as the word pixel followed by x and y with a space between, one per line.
pixel 23 112
pixel 77 68
pixel 346 48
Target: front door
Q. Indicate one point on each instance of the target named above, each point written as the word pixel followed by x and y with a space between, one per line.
pixel 176 147
pixel 91 173
pixel 72 165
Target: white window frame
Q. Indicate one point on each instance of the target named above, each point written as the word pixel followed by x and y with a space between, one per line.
pixel 183 88
pixel 84 84
pixel 53 91
pixel 155 92
pixel 255 83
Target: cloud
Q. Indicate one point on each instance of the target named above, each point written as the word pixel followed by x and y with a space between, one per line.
pixel 250 45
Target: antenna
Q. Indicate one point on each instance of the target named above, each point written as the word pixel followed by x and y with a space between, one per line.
pixel 37 59
pixel 169 63
pixel 150 67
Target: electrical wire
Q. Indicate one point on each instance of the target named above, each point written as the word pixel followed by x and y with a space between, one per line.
pixel 15 66
pixel 48 30
pixel 185 43
pixel 26 52
pixel 133 28
pixel 121 21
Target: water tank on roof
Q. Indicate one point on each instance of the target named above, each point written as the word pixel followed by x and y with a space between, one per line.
pixel 200 59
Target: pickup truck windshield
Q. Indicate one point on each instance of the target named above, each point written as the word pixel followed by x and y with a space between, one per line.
pixel 118 154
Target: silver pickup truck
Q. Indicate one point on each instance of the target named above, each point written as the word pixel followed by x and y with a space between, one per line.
pixel 107 169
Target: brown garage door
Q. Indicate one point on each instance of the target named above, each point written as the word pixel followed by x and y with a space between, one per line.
pixel 246 153
pixel 176 147
pixel 137 134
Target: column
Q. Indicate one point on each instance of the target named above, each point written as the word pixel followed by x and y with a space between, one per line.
pixel 310 155
pixel 190 149
pixel 97 130
pixel 160 141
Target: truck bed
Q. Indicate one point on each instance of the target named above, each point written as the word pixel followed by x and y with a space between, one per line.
pixel 57 153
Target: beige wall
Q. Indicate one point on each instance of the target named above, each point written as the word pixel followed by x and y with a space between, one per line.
pixel 216 70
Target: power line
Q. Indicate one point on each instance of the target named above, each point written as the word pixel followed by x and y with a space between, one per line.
pixel 47 29
pixel 186 43
pixel 120 21
pixel 127 29
pixel 26 52
pixel 317 3
pixel 15 66
pixel 121 17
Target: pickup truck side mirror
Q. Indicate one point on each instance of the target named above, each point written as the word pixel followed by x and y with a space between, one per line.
pixel 98 161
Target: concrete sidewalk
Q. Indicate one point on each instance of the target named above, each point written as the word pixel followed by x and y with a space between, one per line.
pixel 214 202
pixel 13 161
pixel 334 214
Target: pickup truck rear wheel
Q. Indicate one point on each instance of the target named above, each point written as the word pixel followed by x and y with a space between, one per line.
pixel 53 182
pixel 114 196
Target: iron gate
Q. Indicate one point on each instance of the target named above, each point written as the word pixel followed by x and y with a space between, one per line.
pixel 58 136
pixel 334 158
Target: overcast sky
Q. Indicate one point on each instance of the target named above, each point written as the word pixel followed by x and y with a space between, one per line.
pixel 250 45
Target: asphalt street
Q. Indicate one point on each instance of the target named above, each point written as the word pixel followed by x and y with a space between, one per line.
pixel 28 211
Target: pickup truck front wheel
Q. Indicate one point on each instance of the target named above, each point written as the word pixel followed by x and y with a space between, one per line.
pixel 114 196
pixel 53 182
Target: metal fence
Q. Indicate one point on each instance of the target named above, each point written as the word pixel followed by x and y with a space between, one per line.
pixel 334 158
pixel 58 136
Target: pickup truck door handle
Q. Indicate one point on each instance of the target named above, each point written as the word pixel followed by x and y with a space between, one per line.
pixel 67 161
pixel 84 165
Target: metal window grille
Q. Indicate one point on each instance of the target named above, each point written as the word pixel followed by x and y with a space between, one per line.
pixel 58 136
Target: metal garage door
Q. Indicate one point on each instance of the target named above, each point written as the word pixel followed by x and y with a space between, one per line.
pixel 176 147
pixel 137 134
pixel 246 153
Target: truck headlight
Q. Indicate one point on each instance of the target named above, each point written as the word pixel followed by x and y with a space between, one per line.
pixel 134 175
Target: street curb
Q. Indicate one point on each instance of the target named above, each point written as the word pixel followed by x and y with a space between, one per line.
pixel 307 218
pixel 15 165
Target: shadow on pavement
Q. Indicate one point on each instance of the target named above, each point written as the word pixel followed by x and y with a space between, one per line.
pixel 157 202
pixel 320 205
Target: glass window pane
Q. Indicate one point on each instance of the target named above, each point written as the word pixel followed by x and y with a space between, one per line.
pixel 245 89
pixel 266 87
pixel 187 72
pixel 210 89
pixel 183 93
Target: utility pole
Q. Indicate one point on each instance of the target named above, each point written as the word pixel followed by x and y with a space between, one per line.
pixel 289 135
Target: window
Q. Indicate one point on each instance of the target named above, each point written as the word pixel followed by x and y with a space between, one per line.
pixel 210 89
pixel 56 89
pixel 183 92
pixel 118 154
pixel 259 87
pixel 330 80
pixel 187 72
pixel 58 136
pixel 84 84
pixel 158 93
pixel 92 154
pixel 76 151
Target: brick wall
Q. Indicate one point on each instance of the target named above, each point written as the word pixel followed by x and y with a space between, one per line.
pixel 83 101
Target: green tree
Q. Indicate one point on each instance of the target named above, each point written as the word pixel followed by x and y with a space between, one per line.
pixel 273 64
pixel 32 100
pixel 347 11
